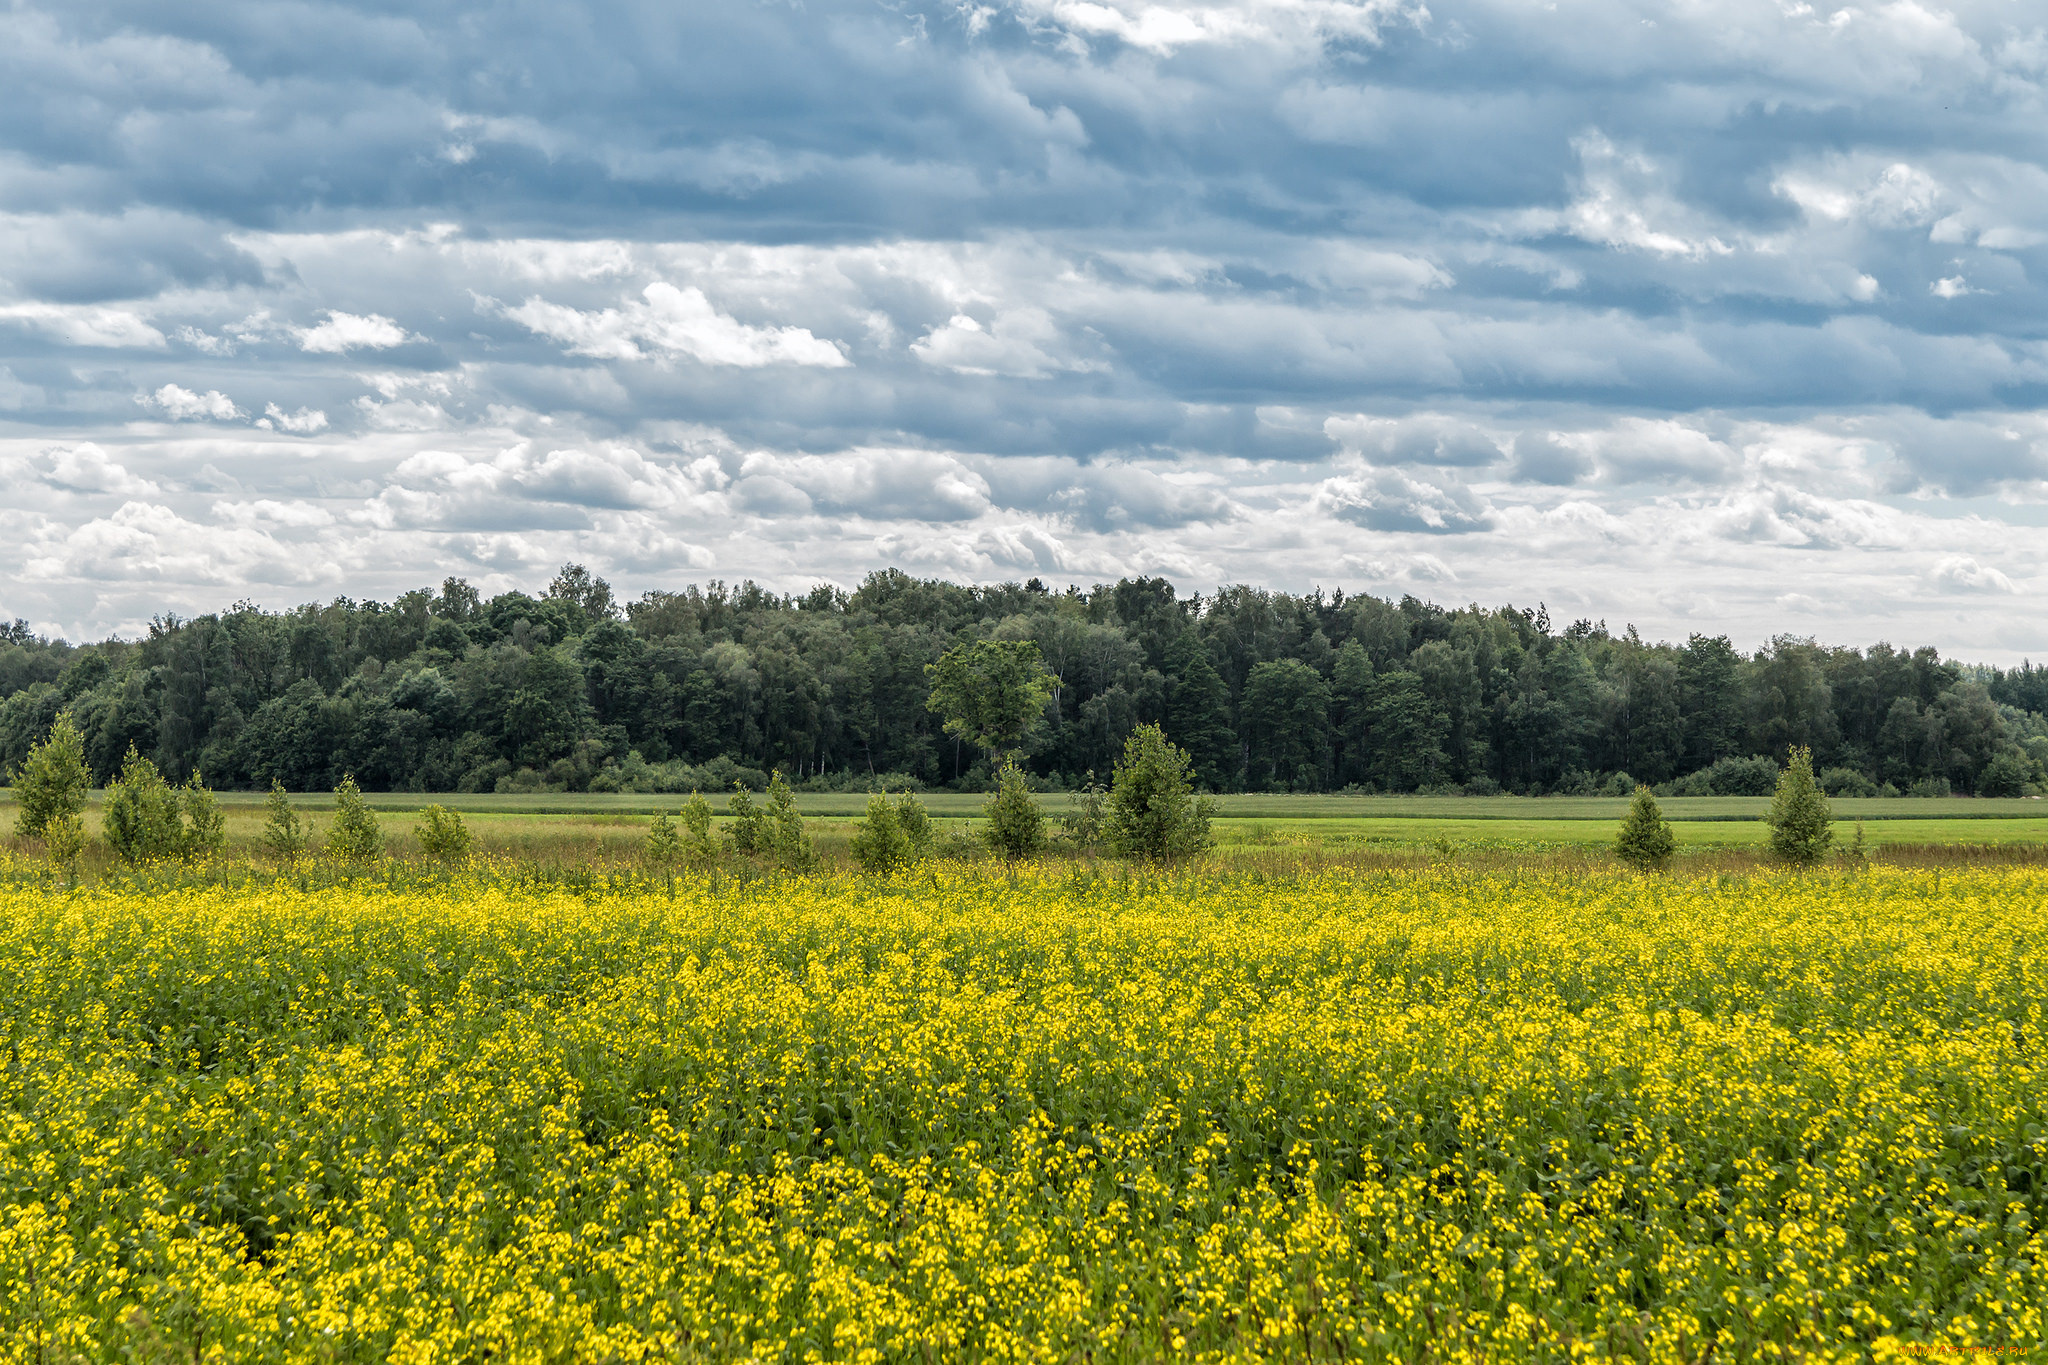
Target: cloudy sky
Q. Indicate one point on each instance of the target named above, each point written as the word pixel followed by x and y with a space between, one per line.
pixel 1719 315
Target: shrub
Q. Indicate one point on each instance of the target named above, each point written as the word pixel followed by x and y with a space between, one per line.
pixel 788 840
pixel 141 814
pixel 1082 826
pixel 916 825
pixel 444 837
pixel 53 782
pixel 1152 811
pixel 697 846
pixel 1801 828
pixel 1012 823
pixel 1645 839
pixel 2007 774
pixel 662 848
pixel 1930 788
pixel 284 834
pixel 64 838
pixel 355 836
pixel 748 830
pixel 1846 782
pixel 879 844
pixel 206 829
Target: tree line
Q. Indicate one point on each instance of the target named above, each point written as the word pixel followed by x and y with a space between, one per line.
pixel 571 690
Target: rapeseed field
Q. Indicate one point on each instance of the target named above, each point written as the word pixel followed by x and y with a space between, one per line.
pixel 1432 1115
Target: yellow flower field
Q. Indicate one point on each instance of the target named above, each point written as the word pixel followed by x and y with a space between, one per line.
pixel 959 1117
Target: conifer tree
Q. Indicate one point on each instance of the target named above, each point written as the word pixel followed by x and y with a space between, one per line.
pixel 1801 824
pixel 1198 713
pixel 1645 839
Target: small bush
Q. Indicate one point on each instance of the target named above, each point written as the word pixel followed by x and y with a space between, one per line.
pixel 1801 827
pixel 355 836
pixel 879 844
pixel 284 835
pixel 788 840
pixel 1645 839
pixel 747 832
pixel 141 813
pixel 53 782
pixel 443 837
pixel 1930 788
pixel 697 846
pixel 1012 824
pixel 206 830
pixel 917 827
pixel 1082 826
pixel 1152 811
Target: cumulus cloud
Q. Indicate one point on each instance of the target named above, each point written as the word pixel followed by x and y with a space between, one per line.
pixel 304 422
pixel 673 322
pixel 85 468
pixel 183 405
pixel 344 332
pixel 1961 573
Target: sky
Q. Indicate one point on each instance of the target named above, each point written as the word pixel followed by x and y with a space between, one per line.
pixel 1703 315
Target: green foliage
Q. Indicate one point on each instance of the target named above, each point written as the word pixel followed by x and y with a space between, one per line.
pixel 443 837
pixel 64 839
pixel 2008 774
pixel 663 849
pixel 285 836
pixel 916 824
pixel 788 840
pixel 355 836
pixel 1198 711
pixel 141 815
pixel 1151 810
pixel 1858 851
pixel 989 692
pixel 205 832
pixel 1012 823
pixel 747 832
pixel 53 782
pixel 879 843
pixel 1801 827
pixel 697 846
pixel 1645 839
pixel 1082 826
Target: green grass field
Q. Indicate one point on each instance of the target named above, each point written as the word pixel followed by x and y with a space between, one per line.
pixel 608 827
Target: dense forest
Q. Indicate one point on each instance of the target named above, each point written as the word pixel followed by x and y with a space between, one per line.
pixel 444 691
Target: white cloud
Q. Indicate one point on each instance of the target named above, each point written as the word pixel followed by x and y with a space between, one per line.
pixel 183 405
pixel 85 468
pixel 674 322
pixel 1961 573
pixel 86 325
pixel 344 332
pixel 304 422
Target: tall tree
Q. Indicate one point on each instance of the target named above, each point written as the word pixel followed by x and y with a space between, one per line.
pixel 1198 713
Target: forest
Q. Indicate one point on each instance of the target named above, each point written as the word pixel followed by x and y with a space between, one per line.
pixel 571 690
